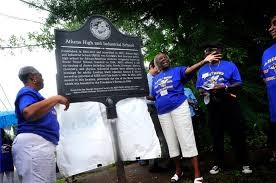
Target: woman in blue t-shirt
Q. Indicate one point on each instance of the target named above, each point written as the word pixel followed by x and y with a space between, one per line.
pixel 38 129
pixel 173 111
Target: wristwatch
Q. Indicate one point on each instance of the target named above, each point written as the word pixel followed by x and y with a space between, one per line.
pixel 226 87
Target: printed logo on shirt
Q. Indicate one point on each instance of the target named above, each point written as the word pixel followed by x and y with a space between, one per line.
pixel 163 83
pixel 205 75
pixel 270 78
pixel 271 68
pixel 163 92
pixel 217 73
pixel 208 74
pixel 213 80
pixel 270 60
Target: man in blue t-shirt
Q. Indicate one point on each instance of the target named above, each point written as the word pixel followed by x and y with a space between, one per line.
pixel 218 82
pixel 269 75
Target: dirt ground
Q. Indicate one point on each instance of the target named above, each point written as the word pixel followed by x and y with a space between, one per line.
pixel 263 172
pixel 134 174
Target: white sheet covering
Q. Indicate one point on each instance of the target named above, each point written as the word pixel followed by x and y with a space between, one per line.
pixel 86 138
pixel 136 130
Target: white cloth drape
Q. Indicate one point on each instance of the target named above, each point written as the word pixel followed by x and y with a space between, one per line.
pixel 86 139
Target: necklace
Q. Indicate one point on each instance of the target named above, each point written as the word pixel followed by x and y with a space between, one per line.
pixel 214 68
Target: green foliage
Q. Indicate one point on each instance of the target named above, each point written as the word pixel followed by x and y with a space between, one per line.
pixel 45 40
pixel 61 180
pixel 239 55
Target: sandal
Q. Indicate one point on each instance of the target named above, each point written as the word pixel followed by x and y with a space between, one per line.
pixel 198 180
pixel 176 178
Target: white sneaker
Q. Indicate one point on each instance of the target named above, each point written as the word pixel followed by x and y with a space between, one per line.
pixel 246 170
pixel 215 170
pixel 198 180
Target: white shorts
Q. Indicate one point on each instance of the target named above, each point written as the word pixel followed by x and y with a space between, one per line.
pixel 178 129
pixel 34 158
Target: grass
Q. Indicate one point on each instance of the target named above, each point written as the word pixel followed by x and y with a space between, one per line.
pixel 60 180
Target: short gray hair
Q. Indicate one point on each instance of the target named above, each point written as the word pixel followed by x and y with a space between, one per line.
pixel 24 73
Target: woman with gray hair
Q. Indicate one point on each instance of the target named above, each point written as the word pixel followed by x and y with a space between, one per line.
pixel 38 130
pixel 174 113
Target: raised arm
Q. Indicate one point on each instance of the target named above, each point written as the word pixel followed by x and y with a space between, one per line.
pixel 207 59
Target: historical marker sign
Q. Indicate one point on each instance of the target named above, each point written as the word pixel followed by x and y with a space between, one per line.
pixel 97 62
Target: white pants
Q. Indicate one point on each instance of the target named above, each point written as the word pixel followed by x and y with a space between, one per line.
pixel 178 129
pixel 34 159
pixel 9 177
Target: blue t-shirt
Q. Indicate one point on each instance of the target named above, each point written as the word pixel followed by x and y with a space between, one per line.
pixel 167 88
pixel 47 126
pixel 189 94
pixel 223 72
pixel 6 162
pixel 150 77
pixel 269 75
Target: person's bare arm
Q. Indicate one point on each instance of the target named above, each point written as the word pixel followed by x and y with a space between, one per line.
pixel 232 86
pixel 150 98
pixel 207 59
pixel 202 92
pixel 39 109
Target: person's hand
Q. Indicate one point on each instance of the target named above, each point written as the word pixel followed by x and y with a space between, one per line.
pixel 64 101
pixel 219 86
pixel 214 56
pixel 6 147
pixel 190 101
pixel 202 92
pixel 150 98
pixel 216 88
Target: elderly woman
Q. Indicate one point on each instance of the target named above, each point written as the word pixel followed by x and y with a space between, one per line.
pixel 173 111
pixel 38 130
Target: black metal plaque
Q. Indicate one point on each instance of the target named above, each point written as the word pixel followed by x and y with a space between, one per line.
pixel 98 62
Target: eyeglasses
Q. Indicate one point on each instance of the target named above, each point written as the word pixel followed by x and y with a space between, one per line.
pixel 208 50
